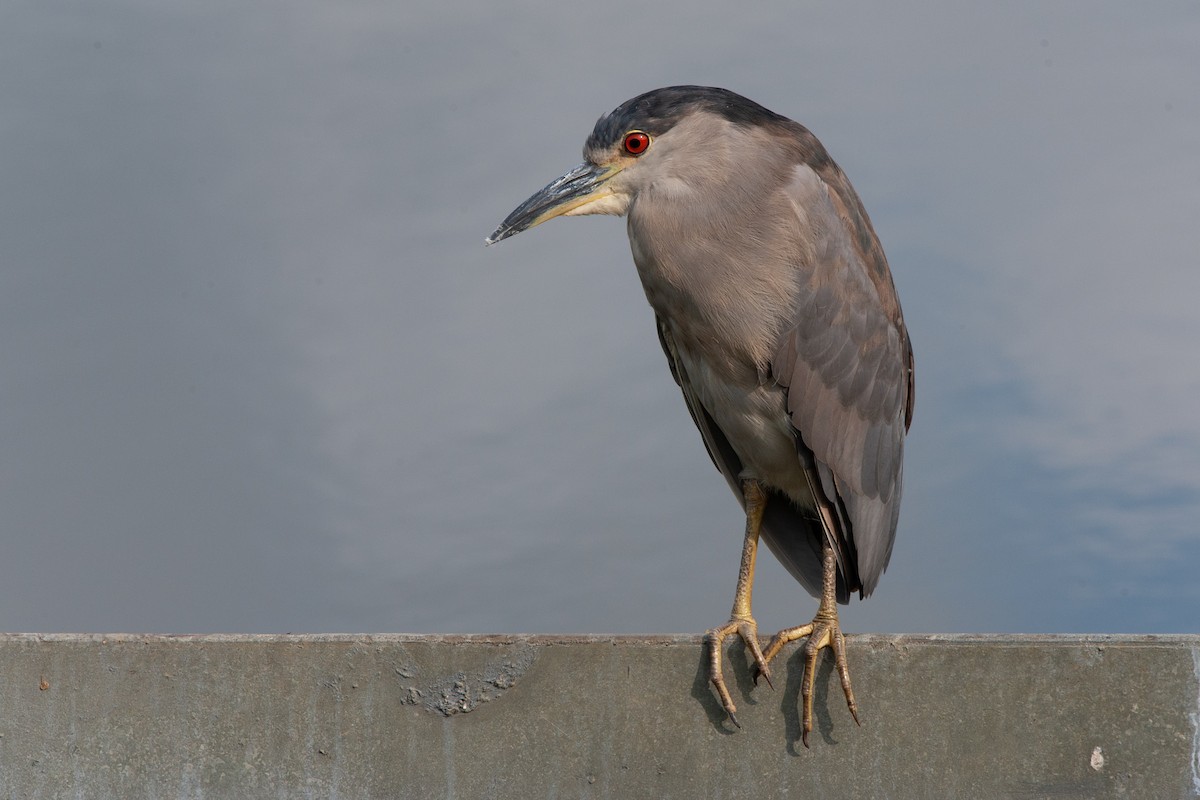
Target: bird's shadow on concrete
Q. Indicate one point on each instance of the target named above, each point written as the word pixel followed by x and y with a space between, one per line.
pixel 739 679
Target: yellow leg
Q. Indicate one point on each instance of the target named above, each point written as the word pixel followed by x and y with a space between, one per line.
pixel 824 631
pixel 741 621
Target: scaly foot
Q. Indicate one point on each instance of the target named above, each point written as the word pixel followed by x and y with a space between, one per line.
pixel 824 631
pixel 741 621
pixel 746 628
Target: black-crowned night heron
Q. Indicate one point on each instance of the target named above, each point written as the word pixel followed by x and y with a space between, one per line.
pixel 778 316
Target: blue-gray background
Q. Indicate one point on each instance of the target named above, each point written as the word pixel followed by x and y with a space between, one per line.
pixel 258 372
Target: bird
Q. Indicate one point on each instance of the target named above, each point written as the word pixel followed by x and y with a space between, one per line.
pixel 780 321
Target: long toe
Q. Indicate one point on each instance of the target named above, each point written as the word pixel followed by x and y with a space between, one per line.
pixel 747 630
pixel 822 633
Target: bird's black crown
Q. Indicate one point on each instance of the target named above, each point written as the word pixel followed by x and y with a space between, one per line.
pixel 655 112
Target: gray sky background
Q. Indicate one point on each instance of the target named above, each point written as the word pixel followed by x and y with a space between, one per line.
pixel 258 372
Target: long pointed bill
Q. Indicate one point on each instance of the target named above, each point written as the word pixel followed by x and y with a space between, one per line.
pixel 580 186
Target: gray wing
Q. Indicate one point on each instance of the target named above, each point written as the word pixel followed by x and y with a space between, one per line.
pixel 847 365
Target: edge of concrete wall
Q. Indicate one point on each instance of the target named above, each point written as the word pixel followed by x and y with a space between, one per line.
pixel 427 716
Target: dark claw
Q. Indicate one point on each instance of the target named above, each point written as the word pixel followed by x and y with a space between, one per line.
pixel 764 674
pixel 733 719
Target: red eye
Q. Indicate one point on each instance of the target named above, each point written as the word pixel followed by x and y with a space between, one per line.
pixel 636 142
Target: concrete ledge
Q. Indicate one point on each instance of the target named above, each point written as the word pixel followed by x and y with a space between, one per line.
pixel 402 716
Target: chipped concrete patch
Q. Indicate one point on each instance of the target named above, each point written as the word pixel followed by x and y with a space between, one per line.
pixel 462 692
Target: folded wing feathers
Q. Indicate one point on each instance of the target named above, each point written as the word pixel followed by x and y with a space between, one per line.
pixel 845 363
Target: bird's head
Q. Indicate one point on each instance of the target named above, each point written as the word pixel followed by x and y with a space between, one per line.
pixel 657 137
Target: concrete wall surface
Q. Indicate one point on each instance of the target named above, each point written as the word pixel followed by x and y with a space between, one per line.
pixel 400 716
